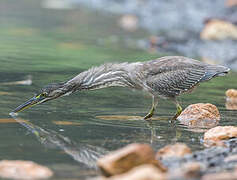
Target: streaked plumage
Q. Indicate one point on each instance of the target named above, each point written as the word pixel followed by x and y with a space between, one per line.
pixel 165 77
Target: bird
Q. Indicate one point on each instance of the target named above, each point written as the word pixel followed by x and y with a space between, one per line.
pixel 163 78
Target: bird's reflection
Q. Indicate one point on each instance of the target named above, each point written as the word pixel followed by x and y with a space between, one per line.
pixel 83 153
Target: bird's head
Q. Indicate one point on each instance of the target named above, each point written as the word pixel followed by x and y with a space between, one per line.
pixel 49 92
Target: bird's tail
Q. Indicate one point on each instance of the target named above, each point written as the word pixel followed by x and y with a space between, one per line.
pixel 214 71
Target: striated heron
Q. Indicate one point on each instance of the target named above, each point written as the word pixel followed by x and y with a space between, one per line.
pixel 166 77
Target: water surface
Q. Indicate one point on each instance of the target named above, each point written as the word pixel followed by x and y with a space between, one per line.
pixel 56 45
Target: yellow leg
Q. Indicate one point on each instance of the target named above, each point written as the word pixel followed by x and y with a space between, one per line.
pixel 179 110
pixel 151 112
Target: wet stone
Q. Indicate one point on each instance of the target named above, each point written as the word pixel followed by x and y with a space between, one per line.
pixel 220 133
pixel 23 170
pixel 177 150
pixel 122 160
pixel 143 172
pixel 200 115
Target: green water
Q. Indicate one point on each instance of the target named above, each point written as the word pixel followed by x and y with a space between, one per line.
pixel 55 45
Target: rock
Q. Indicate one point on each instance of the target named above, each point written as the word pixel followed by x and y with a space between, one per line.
pixel 177 150
pixel 231 93
pixel 231 3
pixel 220 176
pixel 189 170
pixel 200 115
pixel 128 22
pixel 143 172
pixel 231 104
pixel 122 160
pixel 220 133
pixel 214 143
pixel 231 99
pixel 23 170
pixel 216 29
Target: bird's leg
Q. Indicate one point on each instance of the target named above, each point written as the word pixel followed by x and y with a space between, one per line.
pixel 151 112
pixel 179 110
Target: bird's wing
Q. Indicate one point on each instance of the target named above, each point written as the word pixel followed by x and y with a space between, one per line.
pixel 171 79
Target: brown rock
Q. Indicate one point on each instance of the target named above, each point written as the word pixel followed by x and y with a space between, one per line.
pixel 177 150
pixel 216 29
pixel 231 99
pixel 231 93
pixel 200 115
pixel 220 176
pixel 143 172
pixel 231 3
pixel 124 159
pixel 23 170
pixel 220 132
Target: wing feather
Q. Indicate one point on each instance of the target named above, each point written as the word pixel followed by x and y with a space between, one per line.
pixel 174 82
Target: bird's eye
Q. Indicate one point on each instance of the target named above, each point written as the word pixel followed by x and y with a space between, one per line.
pixel 44 94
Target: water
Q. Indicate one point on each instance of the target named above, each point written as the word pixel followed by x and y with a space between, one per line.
pixel 177 25
pixel 55 45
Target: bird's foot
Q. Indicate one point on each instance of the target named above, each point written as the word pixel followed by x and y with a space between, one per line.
pixel 148 116
pixel 179 111
pixel 175 116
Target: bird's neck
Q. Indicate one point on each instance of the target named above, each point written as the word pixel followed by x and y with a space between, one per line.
pixel 106 75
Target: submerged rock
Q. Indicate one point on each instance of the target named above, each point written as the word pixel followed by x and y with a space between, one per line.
pixel 122 160
pixel 23 170
pixel 220 133
pixel 216 29
pixel 177 150
pixel 200 115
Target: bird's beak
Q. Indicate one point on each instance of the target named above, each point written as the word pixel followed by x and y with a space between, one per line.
pixel 31 102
